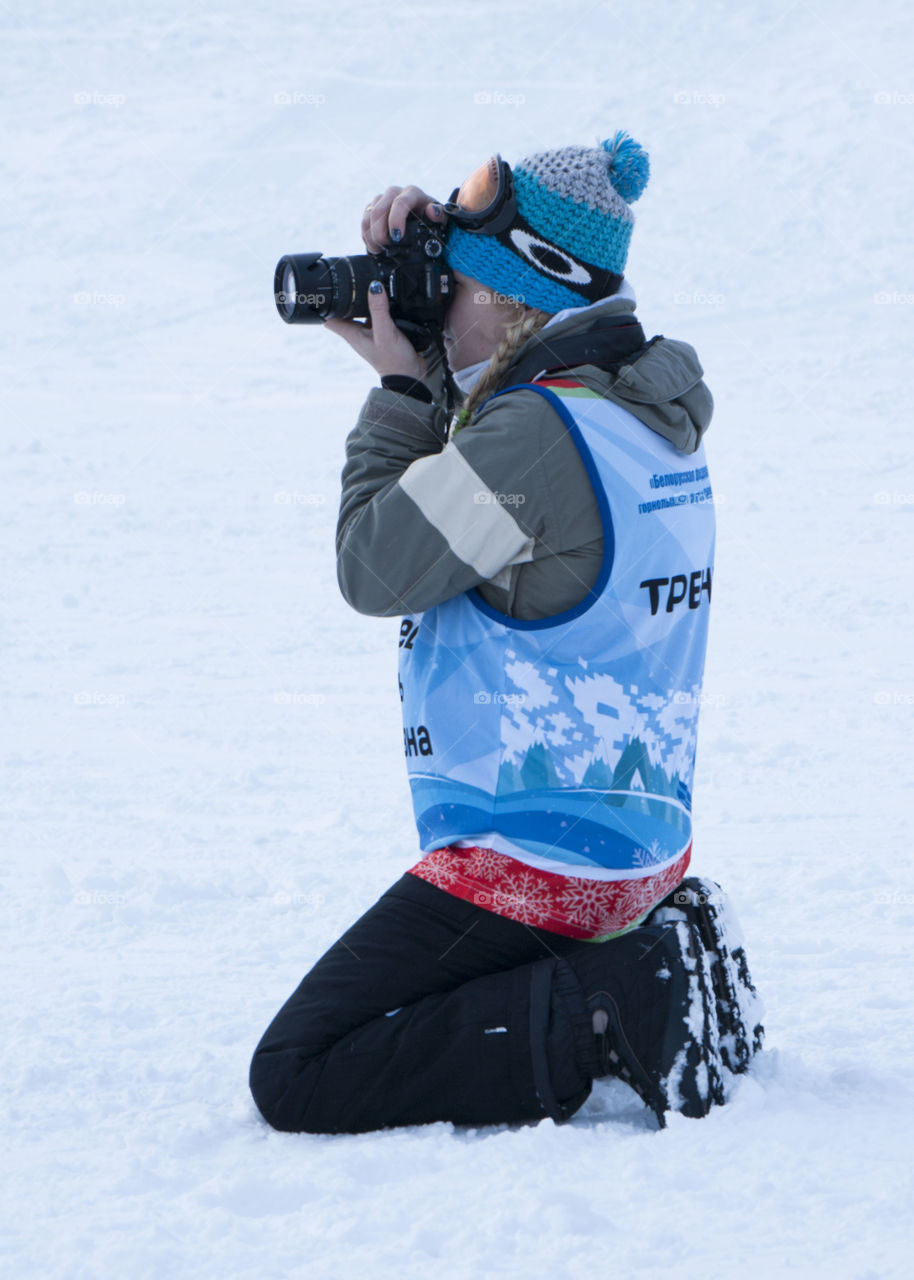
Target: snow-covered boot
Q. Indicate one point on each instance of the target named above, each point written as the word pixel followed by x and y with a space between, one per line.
pixel 652 1010
pixel 704 905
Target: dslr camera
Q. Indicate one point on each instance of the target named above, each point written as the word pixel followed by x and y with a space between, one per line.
pixel 310 288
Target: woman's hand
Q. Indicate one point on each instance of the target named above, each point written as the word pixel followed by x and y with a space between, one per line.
pixel 386 215
pixel 378 340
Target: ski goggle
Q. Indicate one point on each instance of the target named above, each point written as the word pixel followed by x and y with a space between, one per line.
pixel 486 202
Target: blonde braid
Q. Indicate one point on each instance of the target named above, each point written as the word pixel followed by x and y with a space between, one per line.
pixel 528 322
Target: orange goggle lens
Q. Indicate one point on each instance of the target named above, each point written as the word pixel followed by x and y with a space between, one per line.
pixel 480 189
pixel 486 202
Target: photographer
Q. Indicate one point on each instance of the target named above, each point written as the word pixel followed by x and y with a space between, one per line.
pixel 550 551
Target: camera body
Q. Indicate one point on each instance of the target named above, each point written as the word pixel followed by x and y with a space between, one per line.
pixel 309 288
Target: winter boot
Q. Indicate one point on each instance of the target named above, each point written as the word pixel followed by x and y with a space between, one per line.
pixel 652 1009
pixel 704 905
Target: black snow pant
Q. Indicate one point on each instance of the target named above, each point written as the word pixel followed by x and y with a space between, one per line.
pixel 428 1008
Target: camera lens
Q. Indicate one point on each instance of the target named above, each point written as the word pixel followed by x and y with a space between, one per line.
pixel 289 292
pixel 308 287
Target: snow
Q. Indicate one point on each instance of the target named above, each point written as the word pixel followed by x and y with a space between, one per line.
pixel 202 777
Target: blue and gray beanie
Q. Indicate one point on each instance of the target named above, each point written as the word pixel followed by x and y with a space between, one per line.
pixel 568 244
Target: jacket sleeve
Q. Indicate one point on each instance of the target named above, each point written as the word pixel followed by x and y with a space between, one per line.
pixel 422 520
pixel 505 506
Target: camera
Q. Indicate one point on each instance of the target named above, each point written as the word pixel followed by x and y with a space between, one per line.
pixel 309 288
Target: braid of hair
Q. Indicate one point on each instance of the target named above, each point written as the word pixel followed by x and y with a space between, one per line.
pixel 528 322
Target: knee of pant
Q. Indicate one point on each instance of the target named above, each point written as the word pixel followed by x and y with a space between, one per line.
pixel 269 1079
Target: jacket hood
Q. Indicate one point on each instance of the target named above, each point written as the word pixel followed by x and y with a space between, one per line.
pixel 662 386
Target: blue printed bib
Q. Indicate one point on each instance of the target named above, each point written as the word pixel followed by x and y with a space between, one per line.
pixel 570 741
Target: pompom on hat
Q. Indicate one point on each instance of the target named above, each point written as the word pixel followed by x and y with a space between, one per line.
pixel 568 243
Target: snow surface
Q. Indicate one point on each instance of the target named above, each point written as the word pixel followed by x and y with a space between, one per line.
pixel 203 782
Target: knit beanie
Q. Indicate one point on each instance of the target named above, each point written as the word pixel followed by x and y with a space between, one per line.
pixel 568 244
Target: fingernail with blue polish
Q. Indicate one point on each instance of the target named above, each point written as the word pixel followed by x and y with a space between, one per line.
pixel 375 286
pixel 396 235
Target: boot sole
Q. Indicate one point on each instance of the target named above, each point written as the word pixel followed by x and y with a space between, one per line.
pixel 704 905
pixel 693 1083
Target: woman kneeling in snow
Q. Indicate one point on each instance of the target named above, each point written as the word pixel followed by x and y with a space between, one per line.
pixel 551 557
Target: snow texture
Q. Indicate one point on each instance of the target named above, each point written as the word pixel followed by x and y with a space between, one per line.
pixel 202 779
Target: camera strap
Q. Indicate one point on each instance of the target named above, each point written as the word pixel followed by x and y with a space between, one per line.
pixel 609 344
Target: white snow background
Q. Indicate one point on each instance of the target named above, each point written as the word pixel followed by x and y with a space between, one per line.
pixel 202 765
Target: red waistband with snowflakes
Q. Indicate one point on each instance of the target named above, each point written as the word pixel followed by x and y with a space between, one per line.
pixel 575 906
